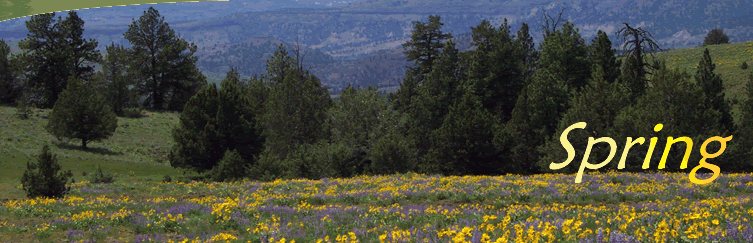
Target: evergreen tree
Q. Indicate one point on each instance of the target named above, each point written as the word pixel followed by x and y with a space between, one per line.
pixel 630 77
pixel 10 86
pixel 294 112
pixel 597 104
pixel 53 51
pixel 433 99
pixel 713 87
pixel 231 168
pixel 741 147
pixel 463 145
pixel 215 123
pixel 81 113
pixel 602 54
pixel 117 83
pixel 279 65
pixel 526 53
pixel 672 102
pixel 257 92
pixel 426 42
pixel 163 63
pixel 495 70
pixel 236 123
pixel 716 37
pixel 48 180
pixel 533 121
pixel 197 147
pixel 565 53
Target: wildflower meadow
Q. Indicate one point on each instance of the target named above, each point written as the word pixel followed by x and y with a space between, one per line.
pixel 605 207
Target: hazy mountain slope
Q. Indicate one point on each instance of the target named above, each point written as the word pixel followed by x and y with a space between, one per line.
pixel 355 33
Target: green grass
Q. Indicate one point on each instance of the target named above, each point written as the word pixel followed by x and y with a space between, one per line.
pixel 727 58
pixel 128 151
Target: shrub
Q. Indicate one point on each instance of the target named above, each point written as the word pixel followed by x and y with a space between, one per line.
pixel 99 177
pixel 81 113
pixel 23 109
pixel 167 178
pixel 48 180
pixel 230 168
pixel 133 112
pixel 744 66
pixel 716 37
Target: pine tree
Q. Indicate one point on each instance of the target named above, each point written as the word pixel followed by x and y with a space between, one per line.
pixel 629 75
pixel 81 113
pixel 716 37
pixel 426 42
pixel 165 63
pixel 197 146
pixel 495 69
pixel 10 85
pixel 741 146
pixel 236 123
pixel 565 53
pixel 45 178
pixel 53 51
pixel 526 52
pixel 430 105
pixel 116 81
pixel 463 145
pixel 231 168
pixel 279 65
pixel 597 104
pixel 294 112
pixel 602 54
pixel 672 102
pixel 713 87
pixel 533 121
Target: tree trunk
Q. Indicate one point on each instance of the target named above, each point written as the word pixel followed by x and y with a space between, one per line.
pixel 83 143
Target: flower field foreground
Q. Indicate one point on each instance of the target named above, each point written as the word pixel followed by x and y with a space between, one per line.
pixel 610 207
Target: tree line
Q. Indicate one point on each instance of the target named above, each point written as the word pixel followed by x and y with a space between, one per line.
pixel 496 109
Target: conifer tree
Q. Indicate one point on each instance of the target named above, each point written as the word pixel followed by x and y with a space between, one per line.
pixel 53 51
pixel 117 82
pixel 565 53
pixel 716 37
pixel 216 124
pixel 629 75
pixel 713 87
pixel 534 120
pixel 197 146
pixel 294 112
pixel 672 102
pixel 463 144
pixel 81 113
pixel 597 104
pixel 10 85
pixel 742 143
pixel 602 54
pixel 164 63
pixel 495 70
pixel 526 53
pixel 45 178
pixel 426 42
pixel 236 123
pixel 430 105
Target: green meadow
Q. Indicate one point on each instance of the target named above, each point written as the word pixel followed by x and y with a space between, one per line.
pixel 726 57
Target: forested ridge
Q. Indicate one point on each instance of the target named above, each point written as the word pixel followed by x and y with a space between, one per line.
pixel 499 108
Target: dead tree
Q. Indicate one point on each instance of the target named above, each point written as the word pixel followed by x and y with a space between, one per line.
pixel 641 44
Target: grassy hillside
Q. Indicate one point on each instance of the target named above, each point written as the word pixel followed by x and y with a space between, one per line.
pixel 139 147
pixel 727 58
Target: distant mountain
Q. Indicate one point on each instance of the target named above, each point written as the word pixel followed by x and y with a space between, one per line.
pixel 365 36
